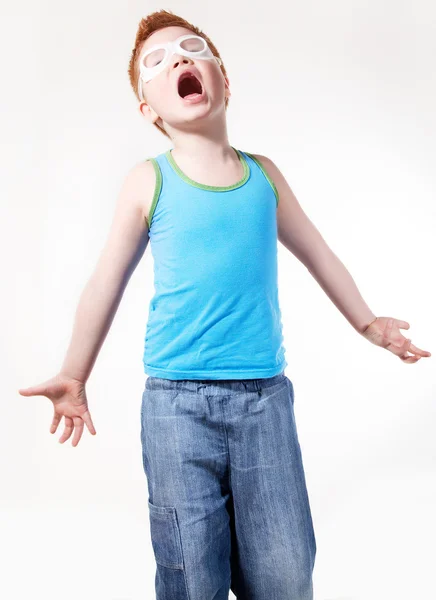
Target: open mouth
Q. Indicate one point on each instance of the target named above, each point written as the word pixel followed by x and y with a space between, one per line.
pixel 189 86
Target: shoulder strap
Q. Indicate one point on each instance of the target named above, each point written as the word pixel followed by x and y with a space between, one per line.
pixel 157 188
pixel 268 178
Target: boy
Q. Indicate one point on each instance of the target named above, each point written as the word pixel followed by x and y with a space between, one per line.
pixel 228 503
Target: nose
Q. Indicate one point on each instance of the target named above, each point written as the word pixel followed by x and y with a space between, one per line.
pixel 177 58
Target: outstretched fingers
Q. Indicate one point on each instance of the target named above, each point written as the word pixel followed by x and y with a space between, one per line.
pixel 87 418
pixel 68 430
pixel 407 346
pixel 55 422
pixel 34 390
pixel 73 424
pixel 78 430
pixel 417 350
pixel 402 351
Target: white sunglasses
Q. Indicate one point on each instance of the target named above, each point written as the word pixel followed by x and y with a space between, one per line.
pixel 155 59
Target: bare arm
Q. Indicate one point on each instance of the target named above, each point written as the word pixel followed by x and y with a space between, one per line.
pixel 99 301
pixel 300 236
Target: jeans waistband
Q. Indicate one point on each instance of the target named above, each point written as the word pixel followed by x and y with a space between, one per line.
pixel 211 386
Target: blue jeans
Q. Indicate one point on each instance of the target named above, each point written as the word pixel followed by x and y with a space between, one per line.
pixel 228 503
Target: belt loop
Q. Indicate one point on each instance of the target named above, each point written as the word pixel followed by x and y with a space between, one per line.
pixel 200 386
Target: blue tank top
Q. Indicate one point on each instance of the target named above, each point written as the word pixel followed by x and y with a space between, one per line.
pixel 215 312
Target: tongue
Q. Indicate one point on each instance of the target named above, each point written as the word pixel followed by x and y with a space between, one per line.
pixel 192 95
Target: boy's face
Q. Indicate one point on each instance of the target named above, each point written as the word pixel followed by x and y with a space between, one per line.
pixel 162 99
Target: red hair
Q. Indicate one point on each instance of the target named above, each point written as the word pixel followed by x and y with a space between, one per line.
pixel 150 24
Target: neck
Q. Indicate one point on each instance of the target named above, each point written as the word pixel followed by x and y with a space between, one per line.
pixel 206 144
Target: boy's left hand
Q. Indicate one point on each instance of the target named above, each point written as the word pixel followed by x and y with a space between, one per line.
pixel 385 332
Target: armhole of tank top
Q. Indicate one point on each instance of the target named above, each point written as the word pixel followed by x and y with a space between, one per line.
pixel 268 178
pixel 157 189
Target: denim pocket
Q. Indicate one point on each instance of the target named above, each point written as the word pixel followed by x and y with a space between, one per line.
pixel 165 536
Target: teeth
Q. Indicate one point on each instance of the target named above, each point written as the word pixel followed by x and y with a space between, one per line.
pixel 186 76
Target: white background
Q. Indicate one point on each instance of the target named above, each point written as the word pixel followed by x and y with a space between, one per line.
pixel 342 96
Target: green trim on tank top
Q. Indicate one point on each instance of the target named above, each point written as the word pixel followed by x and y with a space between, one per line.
pixel 271 182
pixel 212 188
pixel 157 188
pixel 158 184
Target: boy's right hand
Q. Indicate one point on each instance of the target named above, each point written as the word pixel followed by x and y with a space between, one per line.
pixel 69 400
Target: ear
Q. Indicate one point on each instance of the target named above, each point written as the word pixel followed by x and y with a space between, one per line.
pixel 147 112
pixel 227 84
